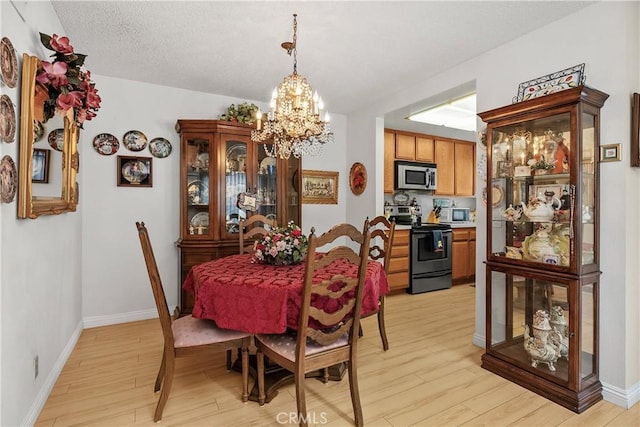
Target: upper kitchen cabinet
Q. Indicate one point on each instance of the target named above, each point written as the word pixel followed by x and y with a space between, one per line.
pixel 413 147
pixel 542 268
pixel 220 162
pixel 455 160
pixel 456 167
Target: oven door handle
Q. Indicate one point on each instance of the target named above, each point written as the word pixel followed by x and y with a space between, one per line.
pixel 430 275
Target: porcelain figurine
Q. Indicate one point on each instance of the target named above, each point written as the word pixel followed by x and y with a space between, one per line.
pixel 539 210
pixel 511 213
pixel 543 346
pixel 559 326
pixel 547 246
pixel 513 252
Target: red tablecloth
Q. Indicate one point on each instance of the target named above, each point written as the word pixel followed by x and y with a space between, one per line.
pixel 259 298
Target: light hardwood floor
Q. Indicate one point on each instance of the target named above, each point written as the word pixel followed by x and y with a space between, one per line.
pixel 430 376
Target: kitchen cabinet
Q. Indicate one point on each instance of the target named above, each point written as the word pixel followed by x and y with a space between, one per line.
pixel 456 167
pixel 465 169
pixel 218 162
pixel 542 268
pixel 399 262
pixel 445 160
pixel 463 248
pixel 414 147
pixel 455 160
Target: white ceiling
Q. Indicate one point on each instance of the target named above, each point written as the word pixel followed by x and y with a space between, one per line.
pixel 352 52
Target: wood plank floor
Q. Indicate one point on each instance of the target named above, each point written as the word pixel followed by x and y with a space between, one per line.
pixel 431 376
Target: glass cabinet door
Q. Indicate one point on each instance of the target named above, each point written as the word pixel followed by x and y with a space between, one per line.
pixel 534 324
pixel 292 185
pixel 531 196
pixel 198 194
pixel 531 324
pixel 266 184
pixel 588 195
pixel 235 158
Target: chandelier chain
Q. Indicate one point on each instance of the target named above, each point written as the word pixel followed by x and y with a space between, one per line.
pixel 295 40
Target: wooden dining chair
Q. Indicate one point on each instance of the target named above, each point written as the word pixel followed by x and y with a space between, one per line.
pixel 185 335
pixel 324 338
pixel 254 230
pixel 380 249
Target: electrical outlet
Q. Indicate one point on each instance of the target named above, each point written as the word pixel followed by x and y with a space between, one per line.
pixel 35 367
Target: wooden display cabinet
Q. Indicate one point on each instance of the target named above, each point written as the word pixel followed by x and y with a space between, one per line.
pixel 542 268
pixel 218 161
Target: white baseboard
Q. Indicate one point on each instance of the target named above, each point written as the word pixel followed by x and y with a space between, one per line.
pixel 479 340
pixel 47 386
pixel 113 319
pixel 624 398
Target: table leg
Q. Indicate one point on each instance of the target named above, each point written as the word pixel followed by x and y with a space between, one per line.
pixel 276 376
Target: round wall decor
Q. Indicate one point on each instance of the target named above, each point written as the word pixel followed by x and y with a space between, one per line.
pixel 358 178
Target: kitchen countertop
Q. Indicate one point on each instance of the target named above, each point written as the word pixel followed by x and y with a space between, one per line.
pixel 454 225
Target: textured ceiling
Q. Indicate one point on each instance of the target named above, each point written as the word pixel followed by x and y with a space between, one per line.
pixel 352 52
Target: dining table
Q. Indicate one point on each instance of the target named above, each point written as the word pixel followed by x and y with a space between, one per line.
pixel 239 293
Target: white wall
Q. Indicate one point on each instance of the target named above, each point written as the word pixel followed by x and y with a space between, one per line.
pixel 605 37
pixel 115 281
pixel 40 266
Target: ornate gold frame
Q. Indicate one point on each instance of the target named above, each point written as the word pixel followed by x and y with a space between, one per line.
pixel 30 206
pixel 312 181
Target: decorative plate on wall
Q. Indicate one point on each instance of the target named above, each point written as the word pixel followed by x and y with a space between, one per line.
pixel 358 178
pixel 135 140
pixel 160 148
pixel 135 171
pixel 9 63
pixel 56 139
pixel 7 119
pixel 106 144
pixel 38 131
pixel 8 179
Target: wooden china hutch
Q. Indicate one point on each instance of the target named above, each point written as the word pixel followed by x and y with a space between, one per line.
pixel 542 268
pixel 218 162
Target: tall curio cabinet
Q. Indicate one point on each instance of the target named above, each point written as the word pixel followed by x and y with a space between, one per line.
pixel 542 268
pixel 218 163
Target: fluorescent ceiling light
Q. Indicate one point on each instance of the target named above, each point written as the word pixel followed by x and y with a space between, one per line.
pixel 458 114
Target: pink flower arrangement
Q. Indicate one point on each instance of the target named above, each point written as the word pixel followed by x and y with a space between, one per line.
pixel 68 84
pixel 282 246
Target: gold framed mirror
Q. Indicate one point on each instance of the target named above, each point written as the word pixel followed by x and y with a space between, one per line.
pixel 61 193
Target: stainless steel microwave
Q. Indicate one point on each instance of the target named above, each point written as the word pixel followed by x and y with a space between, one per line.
pixel 415 176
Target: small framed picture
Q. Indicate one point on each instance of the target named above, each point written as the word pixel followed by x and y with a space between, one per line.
pixel 40 166
pixel 319 187
pixel 610 153
pixel 133 171
pixel 505 169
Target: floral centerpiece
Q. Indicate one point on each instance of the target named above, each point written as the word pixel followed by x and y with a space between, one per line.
pixel 281 246
pixel 541 165
pixel 69 85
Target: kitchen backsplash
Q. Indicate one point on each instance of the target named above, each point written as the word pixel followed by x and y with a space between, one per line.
pixel 426 201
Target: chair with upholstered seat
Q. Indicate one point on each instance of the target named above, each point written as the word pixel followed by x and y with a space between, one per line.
pixel 380 249
pixel 253 230
pixel 324 338
pixel 186 334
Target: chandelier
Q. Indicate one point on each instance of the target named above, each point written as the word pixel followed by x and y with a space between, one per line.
pixel 293 121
